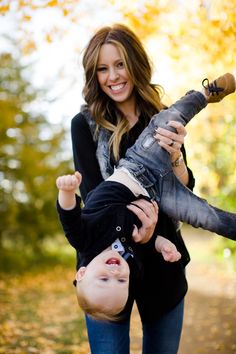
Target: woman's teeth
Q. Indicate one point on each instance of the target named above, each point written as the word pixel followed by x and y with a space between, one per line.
pixel 117 87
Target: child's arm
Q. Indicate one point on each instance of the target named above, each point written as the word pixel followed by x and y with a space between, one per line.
pixel 67 186
pixel 68 207
pixel 167 249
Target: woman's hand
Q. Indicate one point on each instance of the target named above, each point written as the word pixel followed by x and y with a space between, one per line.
pixel 170 141
pixel 147 212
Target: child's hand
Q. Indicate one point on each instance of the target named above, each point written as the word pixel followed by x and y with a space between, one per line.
pixel 67 186
pixel 69 183
pixel 167 249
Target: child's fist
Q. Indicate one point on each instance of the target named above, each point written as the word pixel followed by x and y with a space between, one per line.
pixel 69 182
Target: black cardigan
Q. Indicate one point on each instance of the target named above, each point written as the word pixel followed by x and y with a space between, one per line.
pixel 164 284
pixel 102 220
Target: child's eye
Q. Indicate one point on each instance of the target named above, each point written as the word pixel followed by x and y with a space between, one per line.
pixel 122 280
pixel 104 279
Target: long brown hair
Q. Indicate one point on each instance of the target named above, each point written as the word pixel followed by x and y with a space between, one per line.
pixel 138 66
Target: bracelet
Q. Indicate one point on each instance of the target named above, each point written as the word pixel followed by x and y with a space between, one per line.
pixel 178 161
pixel 181 174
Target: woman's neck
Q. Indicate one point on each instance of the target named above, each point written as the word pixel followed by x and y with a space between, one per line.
pixel 130 112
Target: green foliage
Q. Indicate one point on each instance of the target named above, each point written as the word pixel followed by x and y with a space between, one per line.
pixel 30 161
pixel 59 252
pixel 219 144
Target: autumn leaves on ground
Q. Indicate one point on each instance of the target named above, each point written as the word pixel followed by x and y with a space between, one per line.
pixel 39 313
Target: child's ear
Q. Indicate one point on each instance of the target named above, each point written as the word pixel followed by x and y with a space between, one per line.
pixel 80 273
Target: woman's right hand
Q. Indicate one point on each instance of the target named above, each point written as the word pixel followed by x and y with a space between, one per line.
pixel 147 212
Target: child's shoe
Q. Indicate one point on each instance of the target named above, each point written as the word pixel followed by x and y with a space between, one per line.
pixel 219 88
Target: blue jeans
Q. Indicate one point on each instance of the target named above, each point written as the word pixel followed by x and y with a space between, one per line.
pixel 151 166
pixel 159 337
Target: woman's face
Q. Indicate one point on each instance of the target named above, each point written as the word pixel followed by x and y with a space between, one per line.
pixel 112 75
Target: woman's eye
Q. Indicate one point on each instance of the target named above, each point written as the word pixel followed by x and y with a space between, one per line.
pixel 101 69
pixel 120 65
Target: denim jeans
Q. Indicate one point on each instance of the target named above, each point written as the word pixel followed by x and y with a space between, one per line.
pixel 151 166
pixel 159 337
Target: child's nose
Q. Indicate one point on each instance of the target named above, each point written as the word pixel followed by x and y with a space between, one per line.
pixel 114 270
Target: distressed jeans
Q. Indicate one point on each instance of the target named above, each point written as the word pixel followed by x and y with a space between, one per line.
pixel 150 164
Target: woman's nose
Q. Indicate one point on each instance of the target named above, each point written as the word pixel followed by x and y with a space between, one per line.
pixel 113 74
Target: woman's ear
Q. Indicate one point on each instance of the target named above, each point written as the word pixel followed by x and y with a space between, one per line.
pixel 80 273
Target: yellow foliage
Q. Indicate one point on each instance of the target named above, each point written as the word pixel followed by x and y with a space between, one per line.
pixel 28 47
pixel 208 29
pixel 52 3
pixel 188 40
pixel 4 9
pixel 48 37
pixel 26 18
pixel 44 304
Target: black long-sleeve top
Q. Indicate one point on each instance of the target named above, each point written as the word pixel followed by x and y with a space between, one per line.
pixel 172 284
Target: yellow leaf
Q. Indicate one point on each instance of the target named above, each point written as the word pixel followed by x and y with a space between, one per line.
pixel 28 47
pixel 52 3
pixel 4 9
pixel 48 38
pixel 26 18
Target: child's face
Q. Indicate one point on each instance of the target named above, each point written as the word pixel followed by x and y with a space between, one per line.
pixel 105 281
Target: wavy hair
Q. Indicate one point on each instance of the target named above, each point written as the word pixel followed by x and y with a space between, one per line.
pixel 147 95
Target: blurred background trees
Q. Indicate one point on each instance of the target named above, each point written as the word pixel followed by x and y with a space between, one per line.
pixel 187 41
pixel 31 156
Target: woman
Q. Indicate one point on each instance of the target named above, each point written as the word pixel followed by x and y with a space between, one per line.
pixel 120 100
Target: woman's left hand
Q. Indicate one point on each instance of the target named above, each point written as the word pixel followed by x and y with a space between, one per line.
pixel 170 141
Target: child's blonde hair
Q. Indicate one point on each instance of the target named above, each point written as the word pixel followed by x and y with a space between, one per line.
pixel 95 310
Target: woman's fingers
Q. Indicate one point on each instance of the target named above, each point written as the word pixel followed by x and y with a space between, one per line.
pixel 171 141
pixel 148 207
pixel 147 212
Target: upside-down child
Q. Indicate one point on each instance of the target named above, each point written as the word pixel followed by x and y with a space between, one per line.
pixel 106 222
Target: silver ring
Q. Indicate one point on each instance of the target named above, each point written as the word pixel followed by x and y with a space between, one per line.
pixel 172 143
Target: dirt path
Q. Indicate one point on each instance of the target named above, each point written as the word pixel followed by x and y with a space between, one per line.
pixel 210 310
pixel 39 313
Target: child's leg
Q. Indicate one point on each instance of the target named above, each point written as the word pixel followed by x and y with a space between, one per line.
pixel 151 165
pixel 162 244
pixel 124 177
pixel 146 154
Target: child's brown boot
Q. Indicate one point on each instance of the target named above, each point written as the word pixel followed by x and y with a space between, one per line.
pixel 219 88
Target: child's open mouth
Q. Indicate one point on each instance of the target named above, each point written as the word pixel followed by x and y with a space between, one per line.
pixel 113 261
